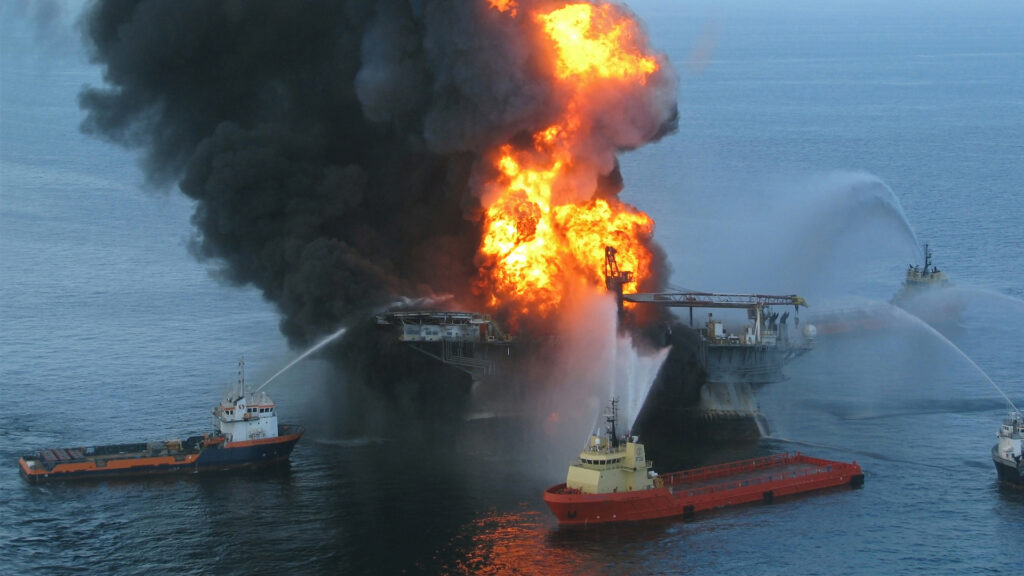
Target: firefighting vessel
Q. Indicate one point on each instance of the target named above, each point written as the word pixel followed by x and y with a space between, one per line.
pixel 926 293
pixel 246 434
pixel 613 482
pixel 919 280
pixel 1007 452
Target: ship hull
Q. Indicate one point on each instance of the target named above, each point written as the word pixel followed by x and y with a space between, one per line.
pixel 692 491
pixel 1009 471
pixel 128 460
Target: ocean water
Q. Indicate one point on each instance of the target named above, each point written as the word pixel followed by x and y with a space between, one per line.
pixel 818 146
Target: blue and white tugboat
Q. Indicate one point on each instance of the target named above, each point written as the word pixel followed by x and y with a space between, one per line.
pixel 247 434
pixel 1007 452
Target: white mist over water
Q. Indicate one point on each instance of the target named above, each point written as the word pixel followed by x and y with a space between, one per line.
pixel 967 292
pixel 816 235
pixel 890 365
pixel 899 312
pixel 634 375
pixel 595 364
pixel 303 356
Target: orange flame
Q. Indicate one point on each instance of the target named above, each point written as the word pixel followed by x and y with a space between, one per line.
pixel 510 6
pixel 543 226
pixel 596 42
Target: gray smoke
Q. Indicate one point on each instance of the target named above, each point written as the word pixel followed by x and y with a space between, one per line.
pixel 332 146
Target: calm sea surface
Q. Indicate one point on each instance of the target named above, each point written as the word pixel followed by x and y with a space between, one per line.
pixel 817 148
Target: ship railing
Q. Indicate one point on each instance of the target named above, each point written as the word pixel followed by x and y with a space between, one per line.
pixel 746 482
pixel 678 482
pixel 752 465
pixel 619 461
pixel 730 467
pixel 593 465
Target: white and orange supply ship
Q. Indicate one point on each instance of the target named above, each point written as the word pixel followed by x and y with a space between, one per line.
pixel 613 482
pixel 246 435
pixel 1007 452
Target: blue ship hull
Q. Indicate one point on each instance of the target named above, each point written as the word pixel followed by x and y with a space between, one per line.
pixel 235 456
pixel 197 454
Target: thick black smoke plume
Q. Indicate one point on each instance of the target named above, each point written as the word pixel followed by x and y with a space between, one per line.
pixel 332 146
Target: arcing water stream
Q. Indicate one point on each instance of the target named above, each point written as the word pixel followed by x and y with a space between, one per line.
pixel 303 356
pixel 900 313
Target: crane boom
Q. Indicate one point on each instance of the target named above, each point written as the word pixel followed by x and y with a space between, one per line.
pixel 713 300
pixel 615 279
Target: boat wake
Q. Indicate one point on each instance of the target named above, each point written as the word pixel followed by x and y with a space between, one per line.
pixel 351 442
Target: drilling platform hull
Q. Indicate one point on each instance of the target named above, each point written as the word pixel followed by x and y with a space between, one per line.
pixel 740 363
pixel 704 390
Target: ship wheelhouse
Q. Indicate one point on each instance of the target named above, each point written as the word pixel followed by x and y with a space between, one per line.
pixel 244 415
pixel 610 464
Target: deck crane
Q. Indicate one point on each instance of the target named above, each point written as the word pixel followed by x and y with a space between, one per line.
pixel 756 356
pixel 753 303
pixel 614 280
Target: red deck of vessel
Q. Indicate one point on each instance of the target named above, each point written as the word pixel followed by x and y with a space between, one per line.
pixel 684 493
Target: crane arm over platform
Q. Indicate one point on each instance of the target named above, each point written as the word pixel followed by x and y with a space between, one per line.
pixel 714 300
pixel 615 279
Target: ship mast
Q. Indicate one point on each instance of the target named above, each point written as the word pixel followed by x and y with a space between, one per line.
pixel 611 415
pixel 241 376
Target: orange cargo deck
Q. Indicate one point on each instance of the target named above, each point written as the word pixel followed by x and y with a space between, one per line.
pixel 687 492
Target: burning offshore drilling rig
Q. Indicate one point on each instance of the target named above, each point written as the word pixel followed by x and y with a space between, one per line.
pixel 345 155
pixel 547 218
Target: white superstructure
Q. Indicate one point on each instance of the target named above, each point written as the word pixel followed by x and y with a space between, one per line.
pixel 245 415
pixel 611 464
pixel 1010 433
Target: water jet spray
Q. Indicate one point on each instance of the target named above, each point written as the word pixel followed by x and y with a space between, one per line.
pixel 917 321
pixel 305 354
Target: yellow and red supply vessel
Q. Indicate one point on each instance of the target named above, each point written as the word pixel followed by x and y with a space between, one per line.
pixel 246 435
pixel 613 482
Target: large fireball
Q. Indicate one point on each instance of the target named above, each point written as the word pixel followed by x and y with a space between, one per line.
pixel 543 224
